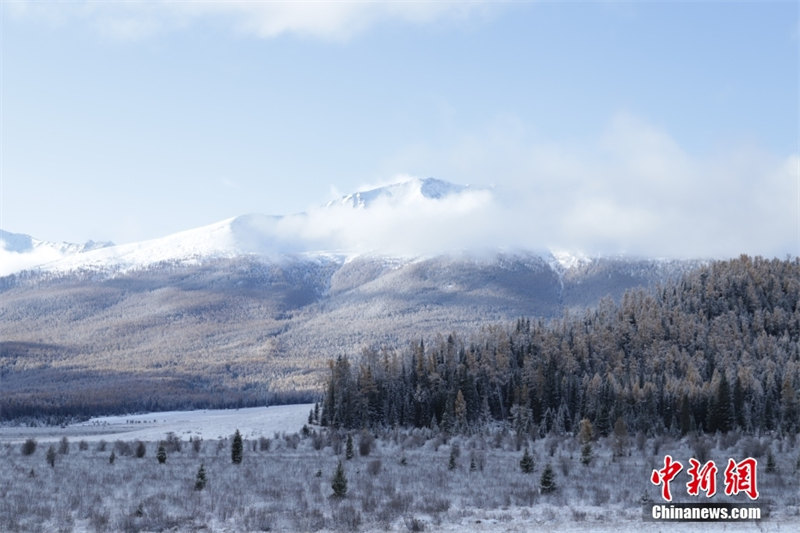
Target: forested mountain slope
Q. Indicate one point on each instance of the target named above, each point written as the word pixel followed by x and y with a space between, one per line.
pixel 234 331
pixel 717 350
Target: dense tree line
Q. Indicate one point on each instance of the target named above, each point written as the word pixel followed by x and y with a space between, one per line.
pixel 715 351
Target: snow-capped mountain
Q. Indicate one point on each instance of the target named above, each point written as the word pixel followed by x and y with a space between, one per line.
pixel 22 252
pixel 397 219
pixel 401 193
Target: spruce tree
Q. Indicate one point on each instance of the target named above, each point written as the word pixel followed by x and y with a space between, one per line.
pixel 237 448
pixel 51 457
pixel 339 483
pixel 547 483
pixel 586 454
pixel 526 463
pixel 451 465
pixel 162 454
pixel 200 480
pixel 112 457
pixel 348 450
pixel 771 466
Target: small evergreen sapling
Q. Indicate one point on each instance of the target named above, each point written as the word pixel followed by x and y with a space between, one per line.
pixel 200 479
pixel 586 454
pixel 339 483
pixel 348 449
pixel 451 465
pixel 526 463
pixel 51 457
pixel 162 454
pixel 771 466
pixel 547 483
pixel 112 458
pixel 237 448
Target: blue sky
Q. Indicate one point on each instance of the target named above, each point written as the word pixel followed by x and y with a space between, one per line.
pixel 648 128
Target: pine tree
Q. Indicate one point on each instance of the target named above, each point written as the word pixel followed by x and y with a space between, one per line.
pixel 586 454
pixel 112 458
pixel 162 454
pixel 454 453
pixel 547 483
pixel 348 449
pixel 51 457
pixel 771 467
pixel 526 463
pixel 339 483
pixel 237 448
pixel 200 480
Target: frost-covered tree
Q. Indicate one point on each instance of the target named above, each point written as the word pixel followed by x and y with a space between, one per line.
pixel 200 479
pixel 526 463
pixel 51 457
pixel 348 448
pixel 586 454
pixel 547 483
pixel 339 483
pixel 237 448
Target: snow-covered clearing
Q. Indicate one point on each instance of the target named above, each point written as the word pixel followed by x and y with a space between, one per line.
pixel 252 422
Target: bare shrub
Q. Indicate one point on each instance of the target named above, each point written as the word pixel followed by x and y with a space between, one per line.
pixel 197 444
pixel 83 445
pixel 141 449
pixel 313 520
pixel 63 446
pixel 365 443
pixel 346 517
pixel 414 524
pixel 264 442
pixel 434 505
pixel 701 448
pixel 292 441
pixel 399 503
pixel 173 443
pixel 258 519
pixel 600 496
pixel 753 447
pixel 101 445
pixel 28 447
pixel 564 464
pixel 123 448
pixel 374 467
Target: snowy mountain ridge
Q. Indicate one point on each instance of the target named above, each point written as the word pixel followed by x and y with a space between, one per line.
pixel 409 219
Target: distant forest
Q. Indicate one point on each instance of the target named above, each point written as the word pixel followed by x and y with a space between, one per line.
pixel 718 350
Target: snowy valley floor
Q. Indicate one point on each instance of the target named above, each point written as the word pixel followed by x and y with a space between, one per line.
pixel 402 483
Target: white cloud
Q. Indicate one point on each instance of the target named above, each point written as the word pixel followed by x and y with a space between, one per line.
pixel 335 20
pixel 632 189
pixel 11 262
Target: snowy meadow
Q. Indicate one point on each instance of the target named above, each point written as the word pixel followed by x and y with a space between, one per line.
pixel 396 480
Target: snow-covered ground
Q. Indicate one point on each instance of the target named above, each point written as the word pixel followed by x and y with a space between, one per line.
pixel 251 422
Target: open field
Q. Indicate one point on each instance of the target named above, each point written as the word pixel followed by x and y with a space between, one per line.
pixel 204 424
pixel 402 482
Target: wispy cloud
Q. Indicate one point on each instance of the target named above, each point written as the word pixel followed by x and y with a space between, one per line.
pixel 632 189
pixel 334 20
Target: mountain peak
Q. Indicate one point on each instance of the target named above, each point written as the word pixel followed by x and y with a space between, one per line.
pixel 403 191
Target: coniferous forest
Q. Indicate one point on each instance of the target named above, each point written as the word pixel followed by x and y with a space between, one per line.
pixel 716 351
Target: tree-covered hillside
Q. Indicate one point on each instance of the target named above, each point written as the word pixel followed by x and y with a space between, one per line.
pixel 715 351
